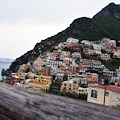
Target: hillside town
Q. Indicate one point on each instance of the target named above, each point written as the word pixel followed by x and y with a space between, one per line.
pixel 74 68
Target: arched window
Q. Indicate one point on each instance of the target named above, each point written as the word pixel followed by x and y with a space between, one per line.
pixel 94 93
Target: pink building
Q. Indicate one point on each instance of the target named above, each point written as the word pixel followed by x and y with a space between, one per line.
pixel 38 64
pixel 55 55
pixel 81 69
pixel 13 78
pixel 90 63
pixel 13 75
pixel 66 60
pixel 69 86
pixel 110 48
pixel 86 51
pixel 73 46
pixel 91 77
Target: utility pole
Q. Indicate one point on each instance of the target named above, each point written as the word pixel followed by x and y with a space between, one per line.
pixel 103 83
pixel 104 94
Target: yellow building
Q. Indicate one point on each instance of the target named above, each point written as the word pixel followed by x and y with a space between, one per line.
pixel 104 95
pixel 22 69
pixel 42 82
pixel 82 90
pixel 105 40
pixel 63 44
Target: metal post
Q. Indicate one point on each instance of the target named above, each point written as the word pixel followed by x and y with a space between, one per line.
pixel 104 95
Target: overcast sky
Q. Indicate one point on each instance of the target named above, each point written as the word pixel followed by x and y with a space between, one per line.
pixel 23 23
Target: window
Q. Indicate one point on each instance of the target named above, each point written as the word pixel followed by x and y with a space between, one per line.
pixel 43 80
pixel 94 93
pixel 107 94
pixel 74 86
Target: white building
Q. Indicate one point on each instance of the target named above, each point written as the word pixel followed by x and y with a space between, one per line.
pixel 64 54
pixel 82 90
pixel 107 73
pixel 114 79
pixel 58 46
pixel 72 76
pixel 59 76
pixel 118 72
pixel 76 55
pixel 113 42
pixel 86 42
pixel 53 64
pixel 72 40
pixel 104 95
pixel 97 47
pixel 105 56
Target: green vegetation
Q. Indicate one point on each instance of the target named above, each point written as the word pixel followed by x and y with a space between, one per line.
pixel 71 95
pixel 109 26
pixel 70 50
pixel 65 78
pixel 118 105
pixel 112 64
pixel 94 56
pixel 55 88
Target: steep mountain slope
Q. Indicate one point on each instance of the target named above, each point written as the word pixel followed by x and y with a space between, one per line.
pixel 106 23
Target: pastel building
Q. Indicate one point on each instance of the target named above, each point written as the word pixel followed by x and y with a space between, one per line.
pixel 82 90
pixel 105 56
pixel 97 47
pixel 90 63
pixel 22 69
pixel 55 55
pixel 69 86
pixel 104 95
pixel 72 40
pixel 41 82
pixel 13 78
pixel 38 64
pixel 76 55
pixel 81 69
pixel 91 77
pixel 118 72
pixel 59 76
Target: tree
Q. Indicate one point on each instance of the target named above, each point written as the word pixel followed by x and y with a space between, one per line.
pixel 118 105
pixel 65 78
pixel 31 63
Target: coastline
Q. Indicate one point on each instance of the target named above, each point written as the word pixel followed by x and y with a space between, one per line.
pixel 4 64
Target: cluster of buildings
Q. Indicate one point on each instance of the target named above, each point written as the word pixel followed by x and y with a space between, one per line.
pixel 66 64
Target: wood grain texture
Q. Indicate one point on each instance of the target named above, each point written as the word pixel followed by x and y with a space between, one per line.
pixel 24 104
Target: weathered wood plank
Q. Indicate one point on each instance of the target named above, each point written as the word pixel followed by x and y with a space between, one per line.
pixel 24 104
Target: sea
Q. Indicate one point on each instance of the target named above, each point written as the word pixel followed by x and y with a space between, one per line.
pixel 4 64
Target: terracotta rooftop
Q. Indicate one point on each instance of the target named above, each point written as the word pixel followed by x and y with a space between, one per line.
pixel 110 88
pixel 38 83
pixel 47 75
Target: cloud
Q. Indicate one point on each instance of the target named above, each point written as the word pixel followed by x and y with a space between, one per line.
pixel 23 23
pixel 16 39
